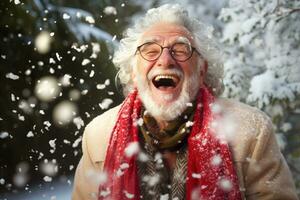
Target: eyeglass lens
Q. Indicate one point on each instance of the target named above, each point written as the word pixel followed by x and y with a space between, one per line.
pixel 152 51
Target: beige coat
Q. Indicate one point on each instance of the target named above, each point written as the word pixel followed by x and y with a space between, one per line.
pixel 262 171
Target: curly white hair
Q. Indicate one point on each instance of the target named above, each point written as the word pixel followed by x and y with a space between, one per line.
pixel 125 60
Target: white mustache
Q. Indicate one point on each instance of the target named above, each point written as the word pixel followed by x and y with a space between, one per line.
pixel 158 71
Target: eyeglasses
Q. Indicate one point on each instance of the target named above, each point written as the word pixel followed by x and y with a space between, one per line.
pixel 181 52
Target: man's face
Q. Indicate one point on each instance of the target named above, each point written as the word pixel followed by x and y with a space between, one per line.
pixel 165 83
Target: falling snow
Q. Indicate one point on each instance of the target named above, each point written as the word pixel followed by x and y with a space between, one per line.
pixel 64 112
pixel 4 135
pixel 13 98
pixel 90 19
pixel 12 76
pixel 16 1
pixel 195 175
pixel 43 42
pixel 225 184
pixel 20 179
pixel 52 145
pixel 110 10
pixel 105 103
pixel 49 168
pixel 2 181
pixel 165 197
pixel 47 88
pixel 128 195
pixel 58 57
pixel 104 193
pixel 78 122
pixel 216 160
pixel 47 179
pixel 65 80
pixel 139 122
pixel 100 86
pixel 66 16
pixel 132 149
pixel 76 143
pixel 143 157
pixel 151 180
pixel 85 62
pixel 95 49
pixel 30 134
pixel 92 73
pixel 189 124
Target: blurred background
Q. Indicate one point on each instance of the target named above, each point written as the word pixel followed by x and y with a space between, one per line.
pixel 56 75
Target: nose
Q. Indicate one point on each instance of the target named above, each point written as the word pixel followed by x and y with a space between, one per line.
pixel 165 59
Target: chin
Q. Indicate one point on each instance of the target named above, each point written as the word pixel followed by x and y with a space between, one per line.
pixel 171 105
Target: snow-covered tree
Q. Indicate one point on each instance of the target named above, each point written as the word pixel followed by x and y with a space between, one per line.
pixel 262 40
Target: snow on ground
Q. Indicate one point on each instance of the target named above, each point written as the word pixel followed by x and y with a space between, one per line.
pixel 56 190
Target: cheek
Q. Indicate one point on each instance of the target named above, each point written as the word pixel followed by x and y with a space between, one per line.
pixel 191 68
pixel 144 67
pixel 140 71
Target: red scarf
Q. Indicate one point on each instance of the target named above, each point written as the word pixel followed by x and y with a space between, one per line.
pixel 210 175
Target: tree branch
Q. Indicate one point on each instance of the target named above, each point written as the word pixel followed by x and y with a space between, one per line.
pixel 286 14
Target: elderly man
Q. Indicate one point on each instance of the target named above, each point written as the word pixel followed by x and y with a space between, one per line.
pixel 172 138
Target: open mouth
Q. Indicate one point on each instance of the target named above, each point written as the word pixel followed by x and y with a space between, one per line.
pixel 165 81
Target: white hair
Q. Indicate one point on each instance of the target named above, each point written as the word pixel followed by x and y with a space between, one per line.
pixel 124 58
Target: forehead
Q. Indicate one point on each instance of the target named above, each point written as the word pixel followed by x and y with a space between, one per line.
pixel 166 33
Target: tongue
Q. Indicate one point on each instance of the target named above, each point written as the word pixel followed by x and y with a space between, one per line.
pixel 165 87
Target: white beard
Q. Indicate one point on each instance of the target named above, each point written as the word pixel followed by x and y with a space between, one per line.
pixel 169 112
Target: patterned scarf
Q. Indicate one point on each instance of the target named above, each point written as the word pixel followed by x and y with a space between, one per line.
pixel 206 179
pixel 156 179
pixel 172 136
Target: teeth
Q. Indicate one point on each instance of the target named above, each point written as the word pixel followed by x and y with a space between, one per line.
pixel 166 77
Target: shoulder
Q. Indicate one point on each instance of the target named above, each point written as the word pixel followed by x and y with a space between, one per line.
pixel 260 166
pixel 245 127
pixel 97 133
pixel 243 114
pixel 239 108
pixel 103 120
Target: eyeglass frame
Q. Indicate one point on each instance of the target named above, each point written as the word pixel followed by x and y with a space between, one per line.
pixel 170 51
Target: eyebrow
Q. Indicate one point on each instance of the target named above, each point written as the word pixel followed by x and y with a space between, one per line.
pixel 184 40
pixel 180 39
pixel 152 39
